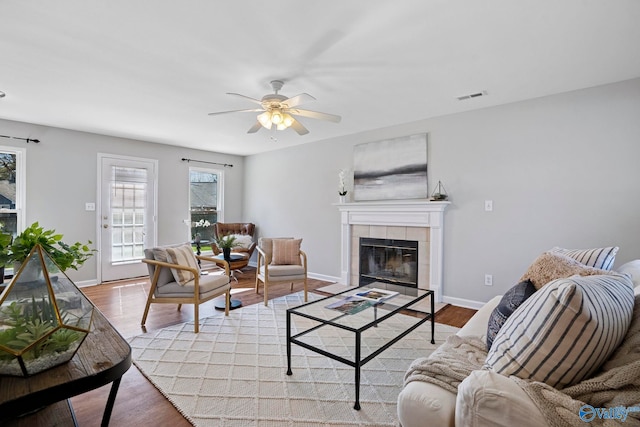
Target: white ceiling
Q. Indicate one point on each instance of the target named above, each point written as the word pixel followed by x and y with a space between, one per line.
pixel 153 69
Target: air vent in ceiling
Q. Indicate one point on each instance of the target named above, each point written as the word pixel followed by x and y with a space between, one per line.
pixel 472 95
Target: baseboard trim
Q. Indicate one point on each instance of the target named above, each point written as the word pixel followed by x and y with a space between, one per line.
pixel 84 283
pixel 461 302
pixel 323 277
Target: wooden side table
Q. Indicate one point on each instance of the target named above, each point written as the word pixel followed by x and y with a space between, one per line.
pixel 103 358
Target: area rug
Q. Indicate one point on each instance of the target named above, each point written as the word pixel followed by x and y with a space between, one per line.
pixel 233 372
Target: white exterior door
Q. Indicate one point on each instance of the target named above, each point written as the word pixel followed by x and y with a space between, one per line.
pixel 127 215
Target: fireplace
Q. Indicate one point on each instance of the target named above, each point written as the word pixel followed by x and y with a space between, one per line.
pixel 388 261
pixel 415 220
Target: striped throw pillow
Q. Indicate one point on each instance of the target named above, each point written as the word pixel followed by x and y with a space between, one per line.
pixel 565 331
pixel 182 255
pixel 602 258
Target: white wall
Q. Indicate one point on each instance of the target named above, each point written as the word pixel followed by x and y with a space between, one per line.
pixel 561 170
pixel 62 176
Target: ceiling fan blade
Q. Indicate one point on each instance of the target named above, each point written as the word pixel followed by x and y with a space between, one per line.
pixel 251 110
pixel 257 101
pixel 255 128
pixel 297 126
pixel 316 115
pixel 298 99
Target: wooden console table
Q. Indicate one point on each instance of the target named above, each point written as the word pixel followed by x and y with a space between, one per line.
pixel 103 358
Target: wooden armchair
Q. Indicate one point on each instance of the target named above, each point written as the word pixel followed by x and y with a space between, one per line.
pixel 280 260
pixel 175 279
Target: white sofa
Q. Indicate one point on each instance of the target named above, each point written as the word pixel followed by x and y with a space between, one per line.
pixel 484 398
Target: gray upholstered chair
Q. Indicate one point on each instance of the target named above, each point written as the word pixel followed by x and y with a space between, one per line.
pixel 175 279
pixel 280 260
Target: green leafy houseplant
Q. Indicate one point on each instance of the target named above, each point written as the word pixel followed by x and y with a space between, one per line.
pixel 64 255
pixel 226 243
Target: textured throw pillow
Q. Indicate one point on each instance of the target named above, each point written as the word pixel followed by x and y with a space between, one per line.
pixel 565 331
pixel 286 251
pixel 551 266
pixel 243 240
pixel 505 308
pixel 602 258
pixel 182 255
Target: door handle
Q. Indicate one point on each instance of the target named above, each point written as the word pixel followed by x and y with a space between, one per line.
pixel 105 225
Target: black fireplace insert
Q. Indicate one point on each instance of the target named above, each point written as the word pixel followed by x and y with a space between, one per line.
pixel 389 261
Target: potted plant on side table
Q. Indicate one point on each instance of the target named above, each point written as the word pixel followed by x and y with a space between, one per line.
pixel 226 243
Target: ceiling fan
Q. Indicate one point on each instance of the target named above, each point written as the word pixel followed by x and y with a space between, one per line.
pixel 279 111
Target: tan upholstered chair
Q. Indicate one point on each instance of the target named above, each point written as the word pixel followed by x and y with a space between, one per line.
pixel 280 260
pixel 166 265
pixel 224 229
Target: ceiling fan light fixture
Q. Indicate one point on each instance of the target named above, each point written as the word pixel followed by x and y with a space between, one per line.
pixel 279 110
pixel 288 120
pixel 265 119
pixel 277 116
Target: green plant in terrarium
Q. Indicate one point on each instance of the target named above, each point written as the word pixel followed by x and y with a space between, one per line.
pixel 42 321
pixel 32 324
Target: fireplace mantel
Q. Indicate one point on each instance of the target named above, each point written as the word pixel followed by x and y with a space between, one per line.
pixel 401 213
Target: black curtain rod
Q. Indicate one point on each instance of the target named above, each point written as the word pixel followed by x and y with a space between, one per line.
pixel 226 165
pixel 23 139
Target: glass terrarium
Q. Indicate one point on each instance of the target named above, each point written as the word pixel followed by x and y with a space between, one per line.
pixel 44 318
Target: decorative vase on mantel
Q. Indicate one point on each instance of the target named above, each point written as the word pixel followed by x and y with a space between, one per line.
pixel 343 197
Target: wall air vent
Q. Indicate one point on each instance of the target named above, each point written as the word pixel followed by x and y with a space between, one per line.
pixel 472 95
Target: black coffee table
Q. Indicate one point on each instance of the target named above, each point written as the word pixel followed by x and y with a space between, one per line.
pixel 358 321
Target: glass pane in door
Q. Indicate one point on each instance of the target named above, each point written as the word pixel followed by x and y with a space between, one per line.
pixel 128 211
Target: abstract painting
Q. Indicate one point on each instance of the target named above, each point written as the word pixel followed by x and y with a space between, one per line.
pixel 391 169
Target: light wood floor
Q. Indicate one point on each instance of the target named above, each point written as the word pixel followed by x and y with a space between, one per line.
pixel 138 402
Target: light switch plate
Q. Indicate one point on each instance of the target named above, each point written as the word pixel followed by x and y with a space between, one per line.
pixel 89 206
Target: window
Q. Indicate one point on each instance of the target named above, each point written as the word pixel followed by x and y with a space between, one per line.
pixel 205 202
pixel 12 189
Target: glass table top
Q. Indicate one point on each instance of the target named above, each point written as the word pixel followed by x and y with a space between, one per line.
pixel 360 307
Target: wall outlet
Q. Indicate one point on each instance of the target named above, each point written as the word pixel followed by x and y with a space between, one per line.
pixel 488 280
pixel 89 206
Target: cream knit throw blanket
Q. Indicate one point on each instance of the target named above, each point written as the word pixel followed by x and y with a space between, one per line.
pixel 616 385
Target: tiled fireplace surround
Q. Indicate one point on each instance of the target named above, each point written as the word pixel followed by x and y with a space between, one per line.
pixel 419 220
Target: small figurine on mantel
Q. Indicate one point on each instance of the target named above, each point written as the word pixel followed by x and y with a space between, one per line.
pixel 342 185
pixel 439 194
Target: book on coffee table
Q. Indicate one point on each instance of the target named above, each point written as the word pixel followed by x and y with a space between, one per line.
pixel 376 295
pixel 350 305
